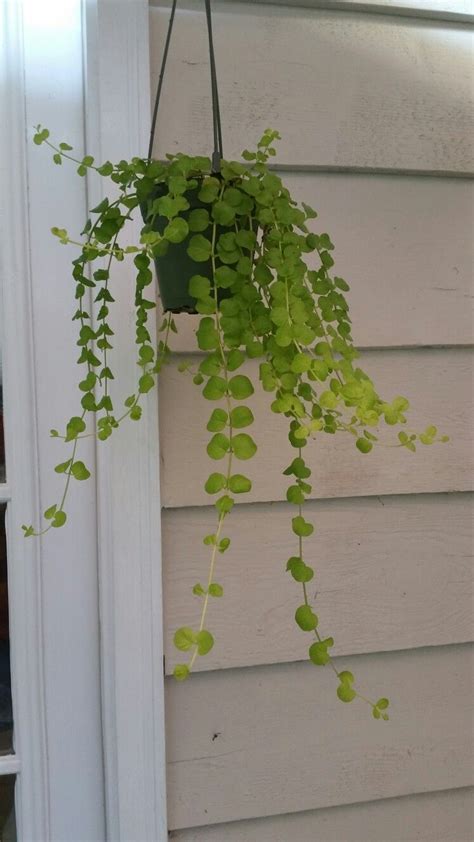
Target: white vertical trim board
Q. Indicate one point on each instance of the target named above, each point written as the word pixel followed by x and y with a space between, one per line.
pixel 52 582
pixel 118 118
pixel 24 558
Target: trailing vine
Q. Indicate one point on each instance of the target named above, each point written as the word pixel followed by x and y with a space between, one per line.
pixel 258 300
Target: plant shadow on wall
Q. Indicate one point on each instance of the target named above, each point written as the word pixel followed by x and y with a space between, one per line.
pixel 232 247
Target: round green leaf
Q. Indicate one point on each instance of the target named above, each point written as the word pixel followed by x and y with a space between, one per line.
pixel 177 230
pixel 223 213
pixel 181 672
pixel 225 277
pixel 215 388
pixel 217 421
pixel 301 572
pixel 199 287
pixel 364 445
pixel 184 638
pixel 239 484
pixel 305 618
pixel 59 519
pixel 205 642
pixel 346 693
pixel 224 504
pixel 199 248
pixel 240 387
pixel 206 333
pixel 301 527
pixel 243 446
pixel 241 416
pixel 215 482
pixel 198 220
pixel 318 654
pixel 216 590
pixel 79 471
pixel 218 446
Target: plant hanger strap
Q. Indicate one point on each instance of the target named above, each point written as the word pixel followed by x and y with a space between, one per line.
pixel 217 153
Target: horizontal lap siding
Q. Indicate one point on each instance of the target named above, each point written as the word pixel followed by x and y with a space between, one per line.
pixel 343 89
pixel 405 246
pixel 429 817
pixel 259 742
pixel 437 382
pixel 459 10
pixel 347 91
pixel 391 573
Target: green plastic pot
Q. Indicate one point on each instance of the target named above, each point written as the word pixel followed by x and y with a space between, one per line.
pixel 175 268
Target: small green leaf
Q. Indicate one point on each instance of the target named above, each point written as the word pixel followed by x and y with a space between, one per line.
pixel 74 427
pixel 295 495
pixel 318 652
pixel 224 504
pixel 146 382
pixel 243 446
pixel 306 620
pixel 223 545
pixel 300 571
pixel 199 249
pixel 200 287
pixel 215 388
pixel 241 416
pixel 28 531
pixel 240 387
pixel 364 445
pixel 235 358
pixel 79 471
pixel 218 446
pixel 198 220
pixel 346 693
pixel 198 590
pixel 205 642
pixel 223 213
pixel 63 467
pixel 184 638
pixel 217 421
pixel 207 336
pixel 49 513
pixel 181 672
pixel 239 484
pixel 59 519
pixel 301 527
pixel 225 277
pixel 215 482
pixel 216 590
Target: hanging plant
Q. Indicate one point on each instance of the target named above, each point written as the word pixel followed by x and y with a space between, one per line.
pixel 231 244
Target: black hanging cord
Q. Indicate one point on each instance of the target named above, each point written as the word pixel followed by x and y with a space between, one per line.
pixel 217 153
pixel 160 78
pixel 216 116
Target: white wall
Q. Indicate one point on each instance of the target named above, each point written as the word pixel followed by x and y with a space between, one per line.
pixel 375 114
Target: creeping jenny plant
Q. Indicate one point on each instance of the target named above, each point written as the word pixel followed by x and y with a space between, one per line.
pixel 250 242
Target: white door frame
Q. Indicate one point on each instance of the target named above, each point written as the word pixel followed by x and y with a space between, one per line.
pixel 129 508
pixel 90 83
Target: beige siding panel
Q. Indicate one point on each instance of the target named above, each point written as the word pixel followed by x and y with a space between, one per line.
pixel 443 9
pixel 437 382
pixel 344 89
pixel 428 817
pixel 272 740
pixel 391 573
pixel 405 246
